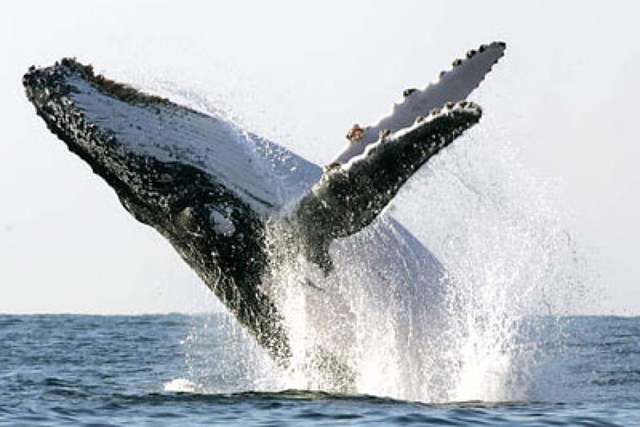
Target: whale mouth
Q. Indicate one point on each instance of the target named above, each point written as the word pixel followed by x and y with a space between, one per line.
pixel 126 135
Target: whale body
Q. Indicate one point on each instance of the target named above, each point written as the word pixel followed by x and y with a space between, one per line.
pixel 232 203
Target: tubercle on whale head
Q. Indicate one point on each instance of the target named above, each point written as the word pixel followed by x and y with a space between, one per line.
pixel 120 91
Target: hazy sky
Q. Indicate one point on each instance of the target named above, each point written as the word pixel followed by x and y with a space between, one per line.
pixel 566 96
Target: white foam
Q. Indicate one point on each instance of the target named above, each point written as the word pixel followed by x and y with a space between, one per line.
pixel 180 385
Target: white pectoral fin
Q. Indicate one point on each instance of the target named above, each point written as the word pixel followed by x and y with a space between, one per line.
pixel 350 197
pixel 453 85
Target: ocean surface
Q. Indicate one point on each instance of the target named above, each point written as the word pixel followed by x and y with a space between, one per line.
pixel 196 370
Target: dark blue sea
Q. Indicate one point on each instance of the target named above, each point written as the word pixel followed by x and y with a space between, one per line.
pixel 190 370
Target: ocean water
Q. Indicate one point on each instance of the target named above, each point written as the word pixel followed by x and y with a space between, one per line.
pixel 202 369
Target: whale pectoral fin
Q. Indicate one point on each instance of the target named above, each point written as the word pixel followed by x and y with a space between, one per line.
pixel 453 85
pixel 350 197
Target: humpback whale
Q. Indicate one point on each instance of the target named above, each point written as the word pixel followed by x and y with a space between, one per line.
pixel 217 192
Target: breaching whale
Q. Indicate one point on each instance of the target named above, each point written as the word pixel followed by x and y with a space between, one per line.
pixel 214 190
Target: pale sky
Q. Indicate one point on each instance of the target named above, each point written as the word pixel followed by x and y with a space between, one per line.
pixel 565 96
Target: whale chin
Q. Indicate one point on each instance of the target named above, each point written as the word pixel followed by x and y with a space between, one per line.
pixel 216 192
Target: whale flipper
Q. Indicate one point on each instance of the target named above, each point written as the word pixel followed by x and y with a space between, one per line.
pixel 453 85
pixel 348 198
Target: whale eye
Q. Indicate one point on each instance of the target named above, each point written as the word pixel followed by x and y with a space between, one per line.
pixel 187 219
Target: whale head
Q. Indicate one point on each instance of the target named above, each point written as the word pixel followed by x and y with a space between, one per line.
pixel 170 177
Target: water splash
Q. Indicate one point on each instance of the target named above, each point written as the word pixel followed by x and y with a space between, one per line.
pixel 180 385
pixel 508 257
pixel 221 357
pixel 454 327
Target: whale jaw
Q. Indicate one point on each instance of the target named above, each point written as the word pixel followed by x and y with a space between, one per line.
pixel 215 228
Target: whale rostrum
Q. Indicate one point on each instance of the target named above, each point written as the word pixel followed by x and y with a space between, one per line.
pixel 212 189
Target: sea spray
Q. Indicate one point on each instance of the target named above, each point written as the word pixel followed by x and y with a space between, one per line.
pixel 221 357
pixel 508 258
pixel 371 325
pixel 452 327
